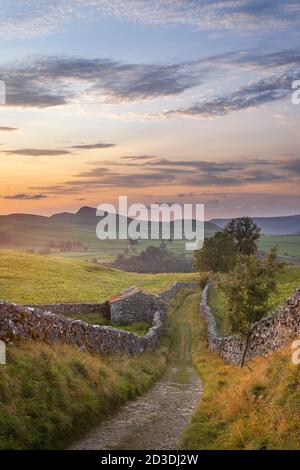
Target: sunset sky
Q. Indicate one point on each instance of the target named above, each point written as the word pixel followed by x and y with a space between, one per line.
pixel 160 100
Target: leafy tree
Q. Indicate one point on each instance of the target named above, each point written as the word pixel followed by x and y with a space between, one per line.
pixel 217 255
pixel 247 289
pixel 245 232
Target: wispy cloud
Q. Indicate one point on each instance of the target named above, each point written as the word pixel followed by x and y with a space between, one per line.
pixel 34 152
pixel 26 197
pixel 49 81
pixel 100 145
pixel 8 129
pixel 190 173
pixel 249 96
pixel 41 82
pixel 36 17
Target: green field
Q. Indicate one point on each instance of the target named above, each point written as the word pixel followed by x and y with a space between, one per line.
pixel 25 232
pixel 288 246
pixel 32 278
pixel 106 251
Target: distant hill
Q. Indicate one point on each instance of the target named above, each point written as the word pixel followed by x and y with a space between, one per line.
pixel 284 225
pixel 64 232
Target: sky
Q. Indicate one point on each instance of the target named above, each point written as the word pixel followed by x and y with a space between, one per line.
pixel 184 101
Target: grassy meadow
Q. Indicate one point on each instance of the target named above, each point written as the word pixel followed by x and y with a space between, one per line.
pixel 288 246
pixel 33 278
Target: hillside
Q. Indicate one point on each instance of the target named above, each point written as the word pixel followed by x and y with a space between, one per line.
pixel 33 278
pixel 285 225
pixel 69 235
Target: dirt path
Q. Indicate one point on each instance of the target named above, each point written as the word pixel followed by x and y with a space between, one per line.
pixel 156 419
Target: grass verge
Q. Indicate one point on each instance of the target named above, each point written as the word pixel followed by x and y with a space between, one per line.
pixel 50 395
pixel 252 408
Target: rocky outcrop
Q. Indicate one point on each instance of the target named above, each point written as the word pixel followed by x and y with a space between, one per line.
pixel 269 334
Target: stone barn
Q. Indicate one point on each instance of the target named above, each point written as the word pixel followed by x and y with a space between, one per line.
pixel 134 306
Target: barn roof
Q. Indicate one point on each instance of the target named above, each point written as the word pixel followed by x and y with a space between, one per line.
pixel 125 294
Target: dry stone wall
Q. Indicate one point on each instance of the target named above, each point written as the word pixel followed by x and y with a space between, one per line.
pixel 19 322
pixel 136 308
pixel 75 308
pixel 176 287
pixel 269 334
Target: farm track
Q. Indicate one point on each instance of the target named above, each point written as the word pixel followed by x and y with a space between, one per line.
pixel 156 419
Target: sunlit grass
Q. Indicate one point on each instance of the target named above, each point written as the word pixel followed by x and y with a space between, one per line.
pixel 252 408
pixel 32 278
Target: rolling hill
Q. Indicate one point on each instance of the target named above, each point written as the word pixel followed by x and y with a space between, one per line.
pixel 285 225
pixel 68 234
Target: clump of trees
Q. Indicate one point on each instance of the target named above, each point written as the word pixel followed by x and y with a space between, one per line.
pixel 155 260
pixel 217 255
pixel 220 252
pixel 249 279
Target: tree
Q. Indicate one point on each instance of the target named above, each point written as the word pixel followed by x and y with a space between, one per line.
pixel 247 289
pixel 245 233
pixel 133 243
pixel 217 255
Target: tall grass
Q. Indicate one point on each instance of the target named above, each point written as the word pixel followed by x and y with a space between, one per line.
pixel 252 408
pixel 50 395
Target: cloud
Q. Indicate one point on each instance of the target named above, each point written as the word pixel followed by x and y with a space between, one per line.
pixel 8 129
pixel 51 81
pixel 36 17
pixel 139 157
pixel 292 165
pixel 100 145
pixel 36 152
pixel 249 96
pixel 26 197
pixel 191 173
pixel 41 82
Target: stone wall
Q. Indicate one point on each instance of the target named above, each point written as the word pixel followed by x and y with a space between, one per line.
pixel 70 308
pixel 176 287
pixel 22 323
pixel 138 307
pixel 19 322
pixel 269 334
